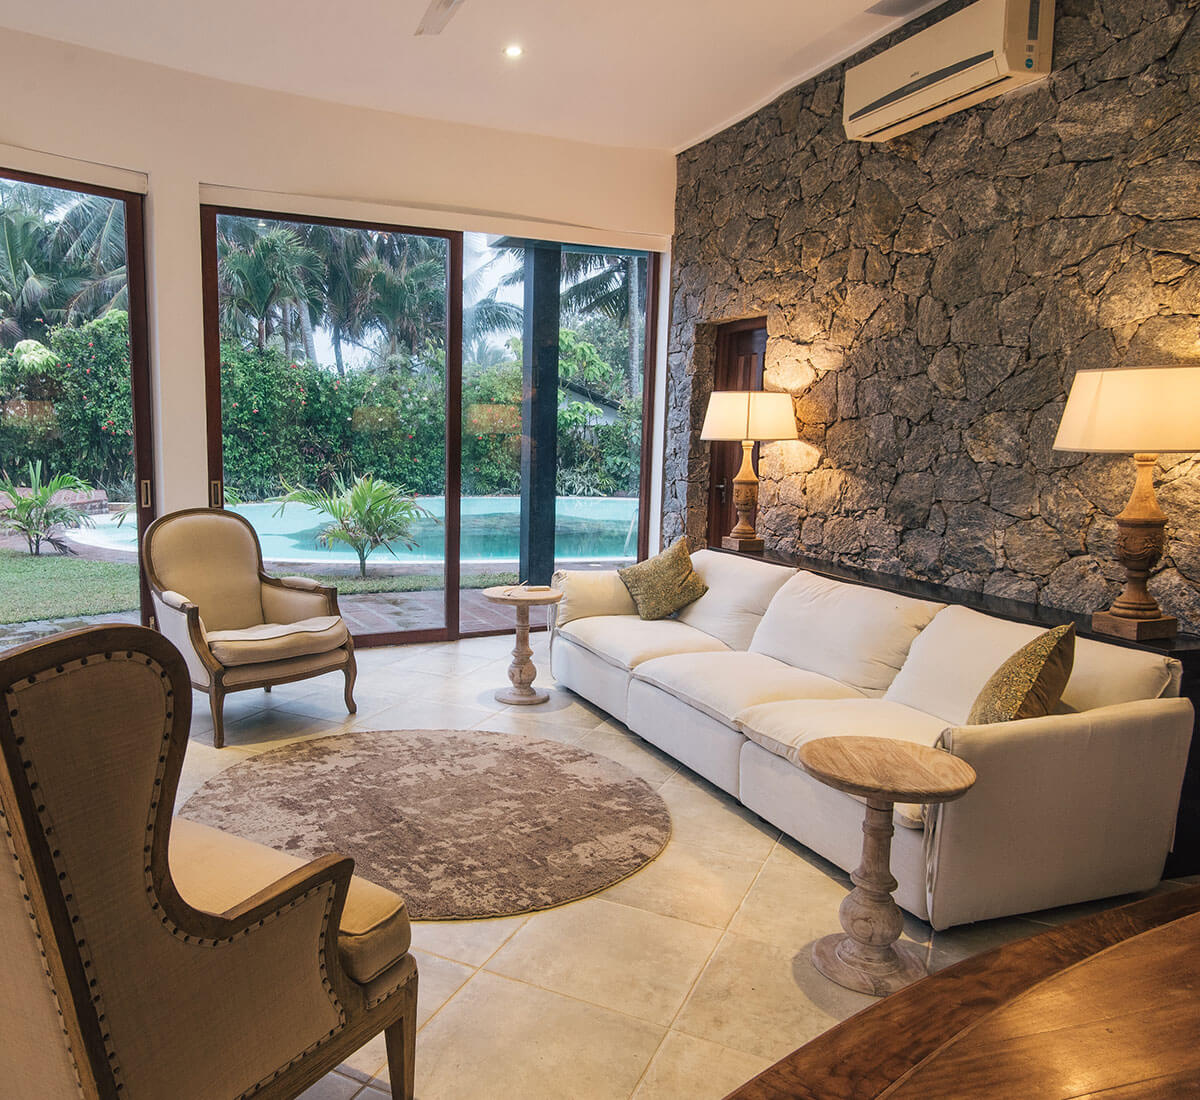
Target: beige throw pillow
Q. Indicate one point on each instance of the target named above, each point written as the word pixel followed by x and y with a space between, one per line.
pixel 661 585
pixel 1031 682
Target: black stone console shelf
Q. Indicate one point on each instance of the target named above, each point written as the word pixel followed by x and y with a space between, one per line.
pixel 1185 856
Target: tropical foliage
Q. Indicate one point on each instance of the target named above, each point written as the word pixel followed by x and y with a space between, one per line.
pixel 62 259
pixel 37 512
pixel 364 515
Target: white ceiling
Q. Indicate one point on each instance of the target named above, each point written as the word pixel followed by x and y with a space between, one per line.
pixel 660 74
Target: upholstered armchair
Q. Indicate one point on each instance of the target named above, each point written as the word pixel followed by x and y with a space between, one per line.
pixel 237 627
pixel 148 957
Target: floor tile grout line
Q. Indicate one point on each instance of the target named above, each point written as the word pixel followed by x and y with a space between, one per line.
pixel 576 998
pixel 699 974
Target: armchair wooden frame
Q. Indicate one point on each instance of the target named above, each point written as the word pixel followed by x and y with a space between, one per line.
pixel 216 685
pixel 323 882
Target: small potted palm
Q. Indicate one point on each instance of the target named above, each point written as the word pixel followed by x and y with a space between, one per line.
pixel 366 514
pixel 38 513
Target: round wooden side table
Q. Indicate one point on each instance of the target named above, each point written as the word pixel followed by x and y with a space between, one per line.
pixel 867 957
pixel 522 672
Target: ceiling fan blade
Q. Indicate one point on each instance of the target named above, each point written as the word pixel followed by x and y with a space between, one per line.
pixel 436 16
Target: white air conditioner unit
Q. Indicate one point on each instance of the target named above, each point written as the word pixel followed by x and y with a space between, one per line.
pixel 987 48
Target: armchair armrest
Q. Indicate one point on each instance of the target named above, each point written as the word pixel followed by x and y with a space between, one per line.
pixel 588 592
pixel 178 620
pixel 264 977
pixel 290 599
pixel 1067 808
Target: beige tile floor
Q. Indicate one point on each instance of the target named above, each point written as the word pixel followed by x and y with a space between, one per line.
pixel 680 982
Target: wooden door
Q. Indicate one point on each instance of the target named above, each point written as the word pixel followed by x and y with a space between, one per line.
pixel 739 366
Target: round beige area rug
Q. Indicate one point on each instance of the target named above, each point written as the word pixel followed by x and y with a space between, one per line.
pixel 460 823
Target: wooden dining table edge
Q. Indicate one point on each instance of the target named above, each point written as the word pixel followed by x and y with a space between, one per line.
pixel 910 1026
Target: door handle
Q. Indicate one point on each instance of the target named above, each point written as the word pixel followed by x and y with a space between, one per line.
pixel 722 489
pixel 216 495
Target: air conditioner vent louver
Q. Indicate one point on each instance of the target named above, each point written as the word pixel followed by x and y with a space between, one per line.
pixel 976 53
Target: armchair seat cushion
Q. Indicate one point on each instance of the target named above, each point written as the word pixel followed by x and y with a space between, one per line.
pixel 215 870
pixel 253 645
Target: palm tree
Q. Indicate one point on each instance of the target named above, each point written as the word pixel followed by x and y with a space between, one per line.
pixel 613 285
pixel 407 280
pixel 261 276
pixel 364 515
pixel 29 279
pixel 36 514
pixel 344 285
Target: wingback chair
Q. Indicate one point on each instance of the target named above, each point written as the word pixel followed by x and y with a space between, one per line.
pixel 236 626
pixel 148 957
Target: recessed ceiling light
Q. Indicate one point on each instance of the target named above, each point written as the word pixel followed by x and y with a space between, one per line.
pixel 513 51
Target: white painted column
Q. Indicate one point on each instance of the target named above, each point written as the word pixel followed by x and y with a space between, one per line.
pixel 176 341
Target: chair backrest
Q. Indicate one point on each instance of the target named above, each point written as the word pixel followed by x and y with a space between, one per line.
pixel 92 736
pixel 212 557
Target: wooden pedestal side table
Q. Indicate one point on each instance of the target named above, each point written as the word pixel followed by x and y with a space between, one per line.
pixel 522 671
pixel 867 957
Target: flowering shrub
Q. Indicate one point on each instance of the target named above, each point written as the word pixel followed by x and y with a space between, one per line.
pixel 67 403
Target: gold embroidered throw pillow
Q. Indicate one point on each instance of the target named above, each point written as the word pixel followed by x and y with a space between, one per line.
pixel 1031 682
pixel 661 585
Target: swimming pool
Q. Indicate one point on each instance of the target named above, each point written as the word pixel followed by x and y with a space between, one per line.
pixel 585 529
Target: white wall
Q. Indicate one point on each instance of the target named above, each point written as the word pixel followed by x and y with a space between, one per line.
pixel 195 138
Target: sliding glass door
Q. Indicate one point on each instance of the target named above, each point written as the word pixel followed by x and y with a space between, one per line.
pixel 335 353
pixel 554 400
pixel 415 415
pixel 76 485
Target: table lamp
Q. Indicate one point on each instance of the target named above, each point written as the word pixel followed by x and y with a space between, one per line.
pixel 748 416
pixel 1140 411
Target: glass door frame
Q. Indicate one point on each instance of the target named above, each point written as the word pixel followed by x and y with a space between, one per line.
pixel 453 387
pixel 145 506
pixel 450 631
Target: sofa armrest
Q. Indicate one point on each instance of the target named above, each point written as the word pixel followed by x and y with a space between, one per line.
pixel 1066 808
pixel 290 599
pixel 588 592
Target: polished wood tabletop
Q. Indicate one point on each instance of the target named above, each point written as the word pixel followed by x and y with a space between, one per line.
pixel 1106 1007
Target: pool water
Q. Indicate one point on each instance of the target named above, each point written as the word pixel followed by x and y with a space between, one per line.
pixel 585 529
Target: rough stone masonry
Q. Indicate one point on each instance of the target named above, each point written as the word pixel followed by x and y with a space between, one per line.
pixel 929 299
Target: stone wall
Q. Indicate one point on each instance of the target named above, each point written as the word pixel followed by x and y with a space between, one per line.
pixel 928 301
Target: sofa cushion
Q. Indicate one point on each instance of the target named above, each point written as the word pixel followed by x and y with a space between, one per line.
pixel 957 653
pixel 739 590
pixel 588 592
pixel 723 684
pixel 781 728
pixel 663 584
pixel 627 641
pixel 277 641
pixel 1030 683
pixel 214 871
pixel 850 632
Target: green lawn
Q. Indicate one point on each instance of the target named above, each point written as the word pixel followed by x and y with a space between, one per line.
pixel 56 587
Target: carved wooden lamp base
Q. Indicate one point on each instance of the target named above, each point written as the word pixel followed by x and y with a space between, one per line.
pixel 745 500
pixel 1141 537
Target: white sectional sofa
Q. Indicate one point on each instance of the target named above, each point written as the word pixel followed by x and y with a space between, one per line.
pixel 1077 805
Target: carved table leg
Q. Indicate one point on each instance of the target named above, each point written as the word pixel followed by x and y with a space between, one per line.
pixel 868 958
pixel 522 672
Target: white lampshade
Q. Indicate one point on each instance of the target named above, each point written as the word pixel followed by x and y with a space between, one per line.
pixel 1132 409
pixel 749 414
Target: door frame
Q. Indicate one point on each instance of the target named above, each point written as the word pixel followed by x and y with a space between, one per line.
pixel 724 338
pixel 141 391
pixel 452 519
